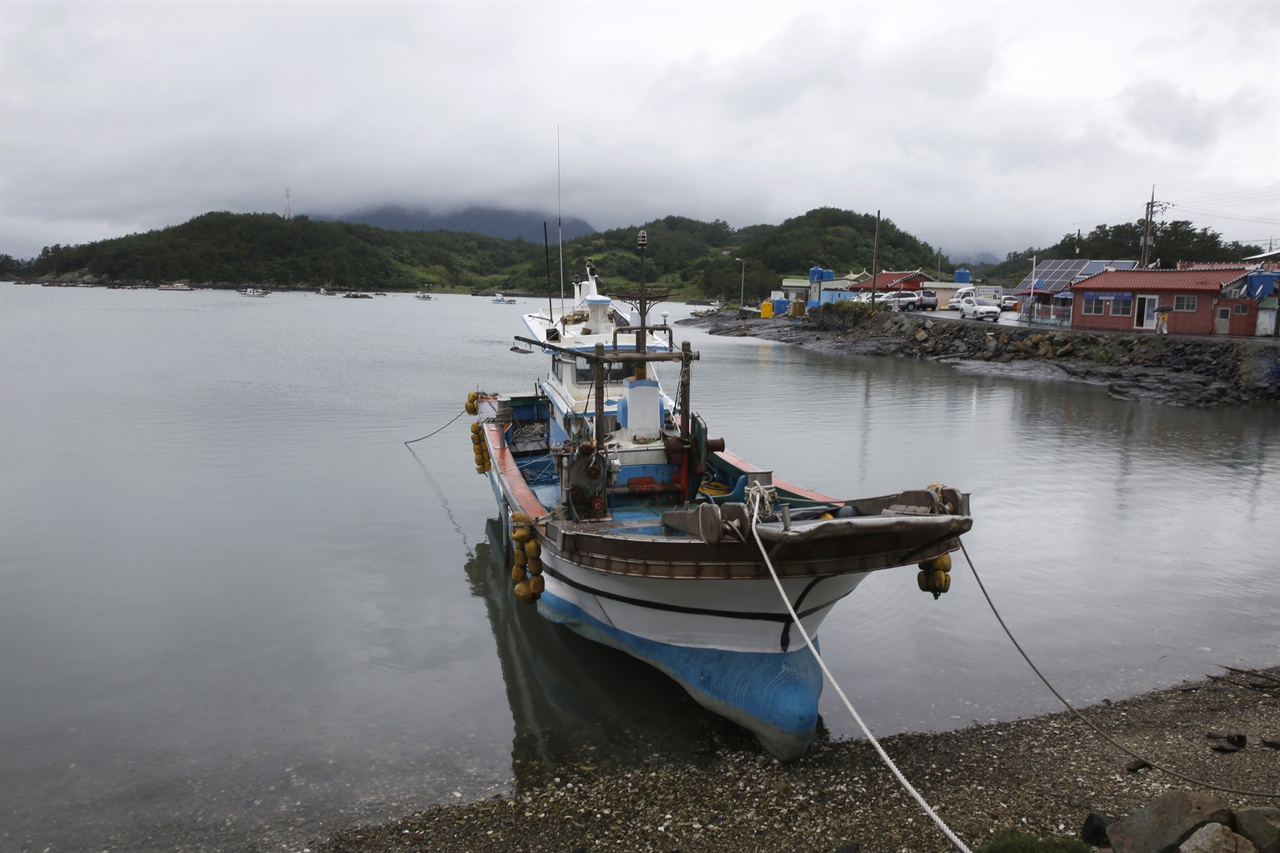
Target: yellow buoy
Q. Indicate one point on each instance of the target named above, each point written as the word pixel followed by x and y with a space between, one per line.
pixel 517 574
pixel 521 534
pixel 937 564
pixel 534 565
pixel 523 592
pixel 537 585
pixel 520 518
pixel 475 428
pixel 473 396
pixel 532 548
pixel 521 558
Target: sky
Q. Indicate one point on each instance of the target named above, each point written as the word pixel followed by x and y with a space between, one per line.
pixel 976 127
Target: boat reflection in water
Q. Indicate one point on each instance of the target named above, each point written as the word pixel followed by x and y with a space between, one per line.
pixel 574 700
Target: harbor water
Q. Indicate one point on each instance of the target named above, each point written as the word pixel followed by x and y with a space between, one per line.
pixel 237 611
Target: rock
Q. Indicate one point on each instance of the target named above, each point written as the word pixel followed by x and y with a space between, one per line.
pixel 1261 826
pixel 1216 838
pixel 1166 822
pixel 921 335
pixel 1094 830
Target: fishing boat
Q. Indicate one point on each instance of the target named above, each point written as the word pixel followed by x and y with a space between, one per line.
pixel 628 523
pixel 499 299
pixel 253 291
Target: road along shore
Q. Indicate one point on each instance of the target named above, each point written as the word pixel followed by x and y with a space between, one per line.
pixel 1171 370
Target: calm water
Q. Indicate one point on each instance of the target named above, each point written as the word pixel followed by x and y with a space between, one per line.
pixel 236 610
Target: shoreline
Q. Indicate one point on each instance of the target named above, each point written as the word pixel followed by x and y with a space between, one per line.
pixel 1042 775
pixel 1204 372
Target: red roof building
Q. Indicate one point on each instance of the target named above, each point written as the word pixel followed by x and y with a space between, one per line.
pixel 1190 301
pixel 900 280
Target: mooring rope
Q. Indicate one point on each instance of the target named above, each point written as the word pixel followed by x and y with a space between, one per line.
pixel 1085 720
pixel 428 435
pixel 757 494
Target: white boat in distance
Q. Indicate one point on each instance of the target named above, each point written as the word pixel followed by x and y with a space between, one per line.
pixel 630 525
pixel 253 291
pixel 499 299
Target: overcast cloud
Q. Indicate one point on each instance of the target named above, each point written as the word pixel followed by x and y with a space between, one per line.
pixel 976 127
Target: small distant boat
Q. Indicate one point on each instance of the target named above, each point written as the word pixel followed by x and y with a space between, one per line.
pixel 379 293
pixel 499 299
pixel 422 295
pixel 629 524
pixel 354 295
pixel 253 291
pixel 176 286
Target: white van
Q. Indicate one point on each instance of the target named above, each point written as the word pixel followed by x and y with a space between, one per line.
pixel 973 292
pixel 953 303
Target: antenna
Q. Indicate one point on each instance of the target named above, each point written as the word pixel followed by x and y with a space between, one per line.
pixel 288 209
pixel 559 222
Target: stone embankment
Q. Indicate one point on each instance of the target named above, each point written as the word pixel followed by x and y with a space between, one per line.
pixel 1176 370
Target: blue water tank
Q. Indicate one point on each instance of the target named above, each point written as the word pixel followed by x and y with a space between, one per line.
pixel 781 306
pixel 962 276
pixel 1261 285
pixel 828 275
pixel 815 274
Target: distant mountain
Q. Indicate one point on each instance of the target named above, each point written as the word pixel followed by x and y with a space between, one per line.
pixel 974 258
pixel 490 221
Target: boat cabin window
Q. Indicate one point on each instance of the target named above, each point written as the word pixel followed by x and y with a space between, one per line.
pixel 585 371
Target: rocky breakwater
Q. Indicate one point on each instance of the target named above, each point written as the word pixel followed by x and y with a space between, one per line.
pixel 1182 371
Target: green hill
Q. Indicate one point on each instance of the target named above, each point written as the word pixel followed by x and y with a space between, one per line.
pixel 692 257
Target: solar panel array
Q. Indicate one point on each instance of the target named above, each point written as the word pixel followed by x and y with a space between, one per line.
pixel 1057 276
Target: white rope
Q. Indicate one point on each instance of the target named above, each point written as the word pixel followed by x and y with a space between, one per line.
pixel 757 494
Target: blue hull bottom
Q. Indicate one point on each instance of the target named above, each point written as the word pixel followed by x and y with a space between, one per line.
pixel 772 695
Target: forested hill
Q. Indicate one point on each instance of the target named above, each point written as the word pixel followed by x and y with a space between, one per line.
pixel 695 258
pixel 698 258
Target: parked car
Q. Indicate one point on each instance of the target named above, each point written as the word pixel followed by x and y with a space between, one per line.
pixel 901 300
pixel 1009 303
pixel 979 309
pixel 928 301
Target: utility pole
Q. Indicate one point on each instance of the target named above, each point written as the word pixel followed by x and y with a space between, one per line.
pixel 875 262
pixel 288 209
pixel 1148 230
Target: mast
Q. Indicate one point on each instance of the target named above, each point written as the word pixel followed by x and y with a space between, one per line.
pixel 642 239
pixel 559 222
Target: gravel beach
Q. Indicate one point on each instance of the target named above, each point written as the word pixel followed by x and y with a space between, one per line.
pixel 1042 775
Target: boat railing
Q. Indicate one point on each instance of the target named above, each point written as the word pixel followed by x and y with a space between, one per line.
pixel 604 354
pixel 636 330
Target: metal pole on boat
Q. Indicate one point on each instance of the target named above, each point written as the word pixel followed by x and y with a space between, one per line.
pixel 642 240
pixel 600 395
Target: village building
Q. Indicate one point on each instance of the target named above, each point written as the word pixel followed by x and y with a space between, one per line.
pixel 1179 302
pixel 1044 295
